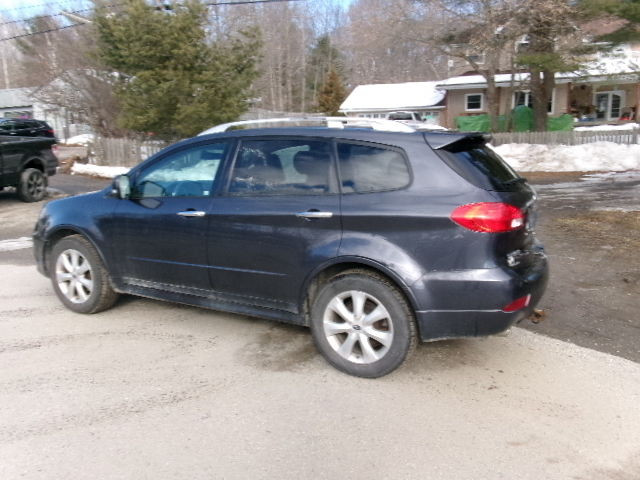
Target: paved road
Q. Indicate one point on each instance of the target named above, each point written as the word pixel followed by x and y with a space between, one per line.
pixel 154 390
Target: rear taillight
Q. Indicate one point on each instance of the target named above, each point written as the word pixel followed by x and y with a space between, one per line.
pixel 50 131
pixel 518 304
pixel 489 217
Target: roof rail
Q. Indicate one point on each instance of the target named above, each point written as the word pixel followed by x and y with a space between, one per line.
pixel 330 122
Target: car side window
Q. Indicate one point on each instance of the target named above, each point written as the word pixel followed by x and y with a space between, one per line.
pixel 187 173
pixel 6 126
pixel 368 168
pixel 282 167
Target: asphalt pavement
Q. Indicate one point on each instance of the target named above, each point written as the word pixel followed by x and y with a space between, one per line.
pixel 161 391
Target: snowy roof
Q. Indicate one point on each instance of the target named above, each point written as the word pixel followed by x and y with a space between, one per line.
pixel 393 96
pixel 15 97
pixel 623 65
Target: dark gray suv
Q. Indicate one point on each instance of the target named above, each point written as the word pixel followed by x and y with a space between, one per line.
pixel 373 239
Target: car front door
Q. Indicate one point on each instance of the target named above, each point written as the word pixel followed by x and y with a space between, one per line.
pixel 277 221
pixel 161 229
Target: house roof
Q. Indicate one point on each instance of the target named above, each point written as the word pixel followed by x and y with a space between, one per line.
pixel 15 97
pixel 622 66
pixel 393 96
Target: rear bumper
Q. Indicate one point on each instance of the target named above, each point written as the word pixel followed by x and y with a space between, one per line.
pixel 469 303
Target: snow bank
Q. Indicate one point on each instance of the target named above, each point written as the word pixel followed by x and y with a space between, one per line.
pixel 97 170
pixel 599 156
pixel 608 128
pixel 84 139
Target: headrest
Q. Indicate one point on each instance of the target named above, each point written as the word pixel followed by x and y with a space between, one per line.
pixel 311 163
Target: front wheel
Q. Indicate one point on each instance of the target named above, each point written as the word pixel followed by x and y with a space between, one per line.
pixel 32 186
pixel 362 324
pixel 79 277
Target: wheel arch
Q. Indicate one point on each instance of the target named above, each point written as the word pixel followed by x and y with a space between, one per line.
pixel 33 162
pixel 325 272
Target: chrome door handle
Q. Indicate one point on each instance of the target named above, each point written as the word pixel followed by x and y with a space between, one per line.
pixel 192 213
pixel 314 214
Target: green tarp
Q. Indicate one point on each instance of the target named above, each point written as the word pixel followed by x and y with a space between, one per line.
pixel 521 121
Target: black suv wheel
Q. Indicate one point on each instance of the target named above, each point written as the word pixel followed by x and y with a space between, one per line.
pixel 32 186
pixel 362 324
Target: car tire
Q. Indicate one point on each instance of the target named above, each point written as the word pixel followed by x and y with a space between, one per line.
pixel 32 186
pixel 362 324
pixel 79 276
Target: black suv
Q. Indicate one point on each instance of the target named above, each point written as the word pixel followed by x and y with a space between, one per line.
pixel 373 239
pixel 25 128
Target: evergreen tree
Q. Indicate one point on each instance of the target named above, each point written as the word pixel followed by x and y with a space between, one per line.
pixel 323 57
pixel 627 10
pixel 172 79
pixel 332 93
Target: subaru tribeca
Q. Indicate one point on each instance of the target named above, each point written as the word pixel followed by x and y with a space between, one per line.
pixel 373 239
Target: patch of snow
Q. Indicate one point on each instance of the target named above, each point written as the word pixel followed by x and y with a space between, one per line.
pixel 84 139
pixel 599 156
pixel 15 244
pixel 97 170
pixel 608 128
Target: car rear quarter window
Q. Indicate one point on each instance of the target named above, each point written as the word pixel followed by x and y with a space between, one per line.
pixel 369 168
pixel 480 165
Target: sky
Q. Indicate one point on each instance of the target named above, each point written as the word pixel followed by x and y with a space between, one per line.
pixel 25 8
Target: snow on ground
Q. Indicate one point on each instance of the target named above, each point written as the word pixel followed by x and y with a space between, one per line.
pixel 599 156
pixel 97 170
pixel 608 128
pixel 83 139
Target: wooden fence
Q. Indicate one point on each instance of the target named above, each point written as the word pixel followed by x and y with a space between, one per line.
pixel 627 137
pixel 122 152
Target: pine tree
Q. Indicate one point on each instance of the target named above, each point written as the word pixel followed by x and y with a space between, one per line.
pixel 626 10
pixel 332 94
pixel 173 80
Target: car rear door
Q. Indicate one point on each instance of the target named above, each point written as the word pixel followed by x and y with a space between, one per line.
pixel 160 232
pixel 277 221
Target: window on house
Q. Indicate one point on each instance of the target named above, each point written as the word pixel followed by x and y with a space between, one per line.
pixel 474 102
pixel 524 97
pixel 609 105
pixel 476 57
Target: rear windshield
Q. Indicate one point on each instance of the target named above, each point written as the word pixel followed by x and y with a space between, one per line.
pixel 480 165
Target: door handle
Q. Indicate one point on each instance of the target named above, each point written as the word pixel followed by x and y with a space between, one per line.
pixel 314 214
pixel 192 213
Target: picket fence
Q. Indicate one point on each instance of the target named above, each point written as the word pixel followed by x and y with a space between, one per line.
pixel 122 152
pixel 627 137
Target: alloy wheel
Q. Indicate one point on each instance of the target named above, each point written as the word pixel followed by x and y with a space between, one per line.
pixel 358 327
pixel 74 276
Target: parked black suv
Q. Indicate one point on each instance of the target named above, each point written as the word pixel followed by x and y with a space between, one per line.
pixel 373 239
pixel 26 163
pixel 25 127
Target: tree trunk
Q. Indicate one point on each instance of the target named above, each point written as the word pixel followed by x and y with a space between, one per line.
pixel 492 102
pixel 539 101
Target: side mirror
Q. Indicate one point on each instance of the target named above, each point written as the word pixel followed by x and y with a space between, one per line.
pixel 121 187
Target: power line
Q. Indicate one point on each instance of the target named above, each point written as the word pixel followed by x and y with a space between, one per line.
pixel 41 31
pixel 208 4
pixel 46 4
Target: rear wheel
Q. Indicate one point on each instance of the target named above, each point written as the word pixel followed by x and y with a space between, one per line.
pixel 79 277
pixel 362 324
pixel 32 186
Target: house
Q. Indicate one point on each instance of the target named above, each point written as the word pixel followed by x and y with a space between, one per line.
pixel 16 103
pixel 378 100
pixel 21 103
pixel 607 90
